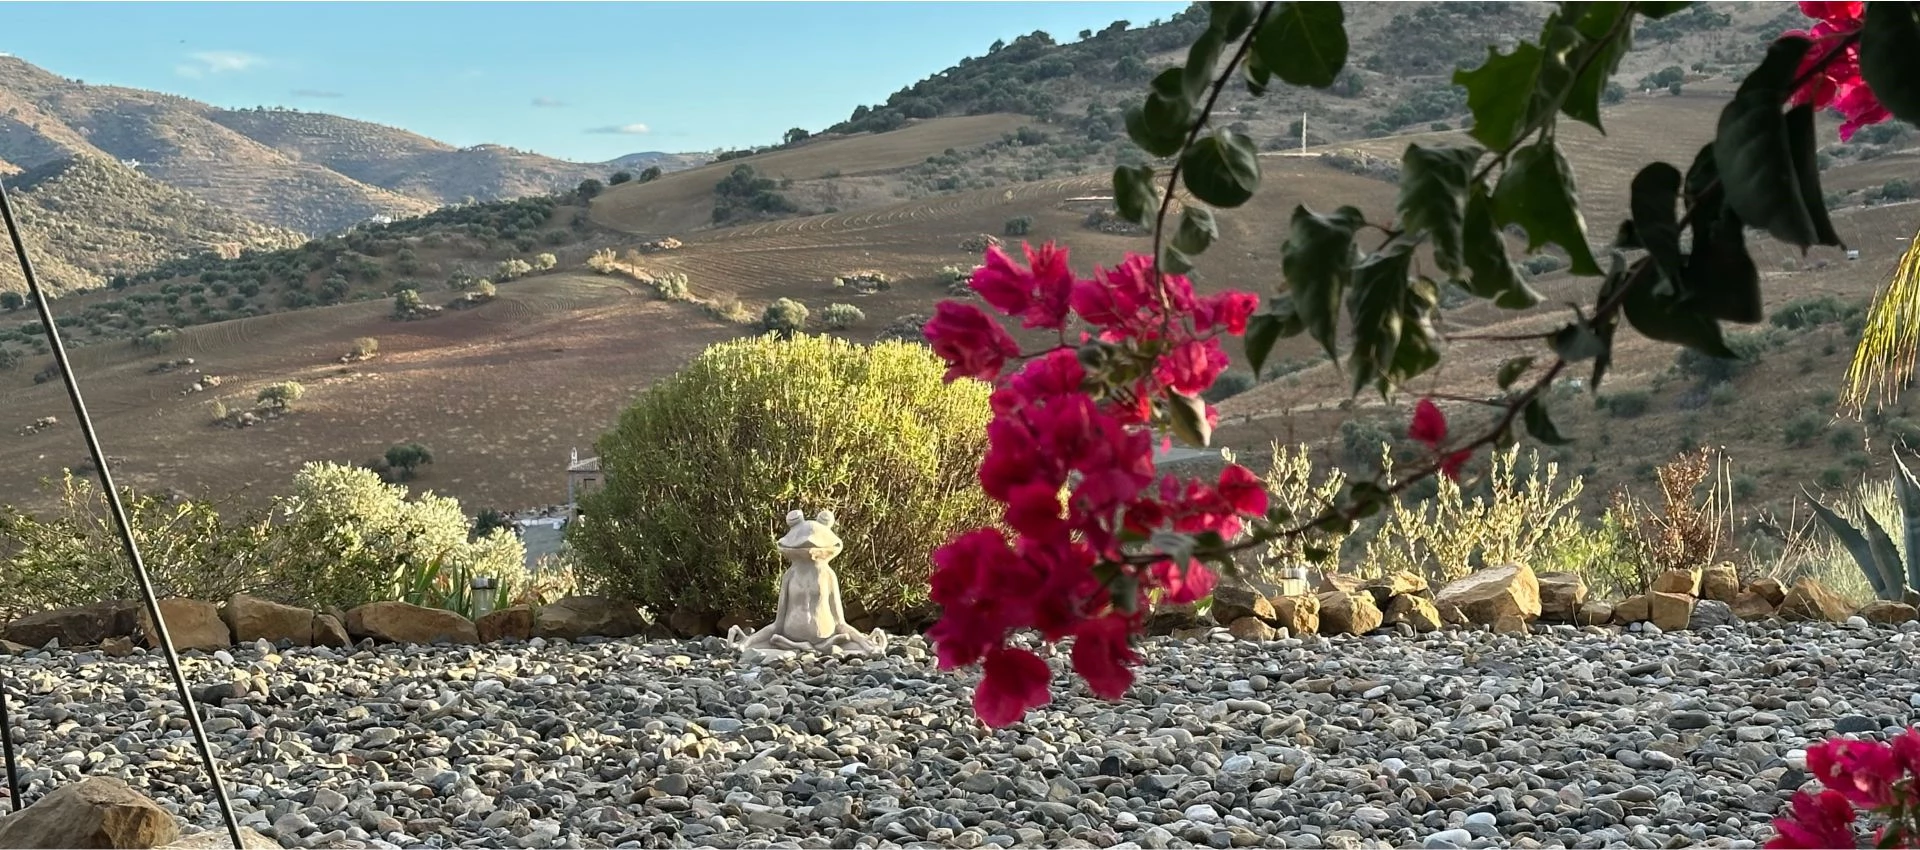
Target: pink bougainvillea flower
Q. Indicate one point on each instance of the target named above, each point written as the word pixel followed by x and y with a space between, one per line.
pixel 1429 425
pixel 1229 310
pixel 1103 657
pixel 1862 771
pixel 1852 14
pixel 1453 463
pixel 1191 366
pixel 1837 83
pixel 1243 490
pixel 1819 822
pixel 1183 583
pixel 972 343
pixel 1037 294
pixel 1013 681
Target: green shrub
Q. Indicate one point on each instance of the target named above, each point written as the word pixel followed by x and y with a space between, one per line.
pixel 1228 385
pixel 343 537
pixel 784 317
pixel 1019 225
pixel 1723 394
pixel 701 471
pixel 1805 427
pixel 1745 486
pixel 842 316
pixel 1526 509
pixel 73 556
pixel 280 396
pixel 1832 477
pixel 1626 404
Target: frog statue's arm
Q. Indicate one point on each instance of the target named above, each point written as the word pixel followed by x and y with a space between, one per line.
pixel 770 636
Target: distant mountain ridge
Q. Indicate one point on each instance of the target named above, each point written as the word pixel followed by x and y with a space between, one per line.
pixel 309 172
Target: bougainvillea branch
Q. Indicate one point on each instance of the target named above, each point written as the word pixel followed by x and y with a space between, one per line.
pixel 1093 534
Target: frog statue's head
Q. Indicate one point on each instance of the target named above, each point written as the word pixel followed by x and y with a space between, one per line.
pixel 811 534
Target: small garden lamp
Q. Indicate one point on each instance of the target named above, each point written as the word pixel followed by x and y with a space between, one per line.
pixel 482 596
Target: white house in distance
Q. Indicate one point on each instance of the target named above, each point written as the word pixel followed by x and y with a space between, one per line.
pixel 583 477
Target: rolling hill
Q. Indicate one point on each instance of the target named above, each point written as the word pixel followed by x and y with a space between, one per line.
pixel 503 390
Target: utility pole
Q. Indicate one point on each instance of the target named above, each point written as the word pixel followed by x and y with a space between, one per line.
pixel 1303 133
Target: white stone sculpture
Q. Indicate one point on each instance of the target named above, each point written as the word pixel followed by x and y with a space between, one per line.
pixel 810 615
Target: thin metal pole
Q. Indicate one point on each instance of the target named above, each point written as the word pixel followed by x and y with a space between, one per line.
pixel 6 740
pixel 120 520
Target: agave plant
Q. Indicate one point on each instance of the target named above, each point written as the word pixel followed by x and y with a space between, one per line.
pixel 1874 551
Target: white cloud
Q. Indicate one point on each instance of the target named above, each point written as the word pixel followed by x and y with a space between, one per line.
pixel 623 129
pixel 548 102
pixel 217 62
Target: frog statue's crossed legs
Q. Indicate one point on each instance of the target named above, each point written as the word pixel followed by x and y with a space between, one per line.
pixel 811 615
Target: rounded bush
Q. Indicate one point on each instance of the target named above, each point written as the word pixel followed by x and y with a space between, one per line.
pixel 701 471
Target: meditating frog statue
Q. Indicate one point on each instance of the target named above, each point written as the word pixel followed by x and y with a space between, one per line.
pixel 810 615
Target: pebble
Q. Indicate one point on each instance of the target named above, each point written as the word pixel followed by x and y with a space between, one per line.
pixel 1640 739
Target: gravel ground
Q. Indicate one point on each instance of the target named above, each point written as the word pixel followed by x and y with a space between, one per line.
pixel 1561 738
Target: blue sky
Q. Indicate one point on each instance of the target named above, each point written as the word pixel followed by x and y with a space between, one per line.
pixel 582 81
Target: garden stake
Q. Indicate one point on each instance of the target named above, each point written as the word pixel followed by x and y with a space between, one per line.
pixel 121 523
pixel 6 743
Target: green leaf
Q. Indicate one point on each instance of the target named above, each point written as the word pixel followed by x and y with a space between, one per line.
pixel 1263 330
pixel 1600 57
pixel 1503 94
pixel 1657 314
pixel 1231 20
pixel 1160 127
pixel 1536 192
pixel 1753 154
pixel 1511 370
pixel 1655 195
pixel 1222 169
pixel 1574 343
pixel 1304 43
pixel 1202 58
pixel 1258 77
pixel 1806 169
pixel 1152 138
pixel 1721 280
pixel 1486 256
pixel 1134 194
pixel 1189 417
pixel 1174 261
pixel 1433 198
pixel 1197 230
pixel 1540 426
pixel 1890 57
pixel 1317 260
pixel 1375 304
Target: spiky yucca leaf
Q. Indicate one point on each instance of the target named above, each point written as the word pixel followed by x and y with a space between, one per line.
pixel 1883 362
pixel 1873 550
pixel 1908 489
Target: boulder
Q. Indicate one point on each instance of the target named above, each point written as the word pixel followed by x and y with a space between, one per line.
pixel 1233 602
pixel 1402 583
pixel 1633 609
pixel 1299 615
pixel 1751 606
pixel 689 623
pixel 8 647
pixel 1888 613
pixel 1509 624
pixel 1677 581
pixel 576 617
pixel 1252 628
pixel 1708 613
pixel 117 647
pixel 1168 617
pixel 329 630
pixel 1348 613
pixel 1339 581
pixel 216 839
pixel 1593 613
pixel 1720 582
pixel 1808 599
pixel 96 812
pixel 86 625
pixel 1415 611
pixel 1769 589
pixel 1193 634
pixel 1561 595
pixel 515 623
pixel 191 623
pixel 252 618
pixel 1486 595
pixel 402 622
pixel 1670 611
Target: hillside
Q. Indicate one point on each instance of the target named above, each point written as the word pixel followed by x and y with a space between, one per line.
pixel 303 171
pixel 503 390
pixel 90 219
